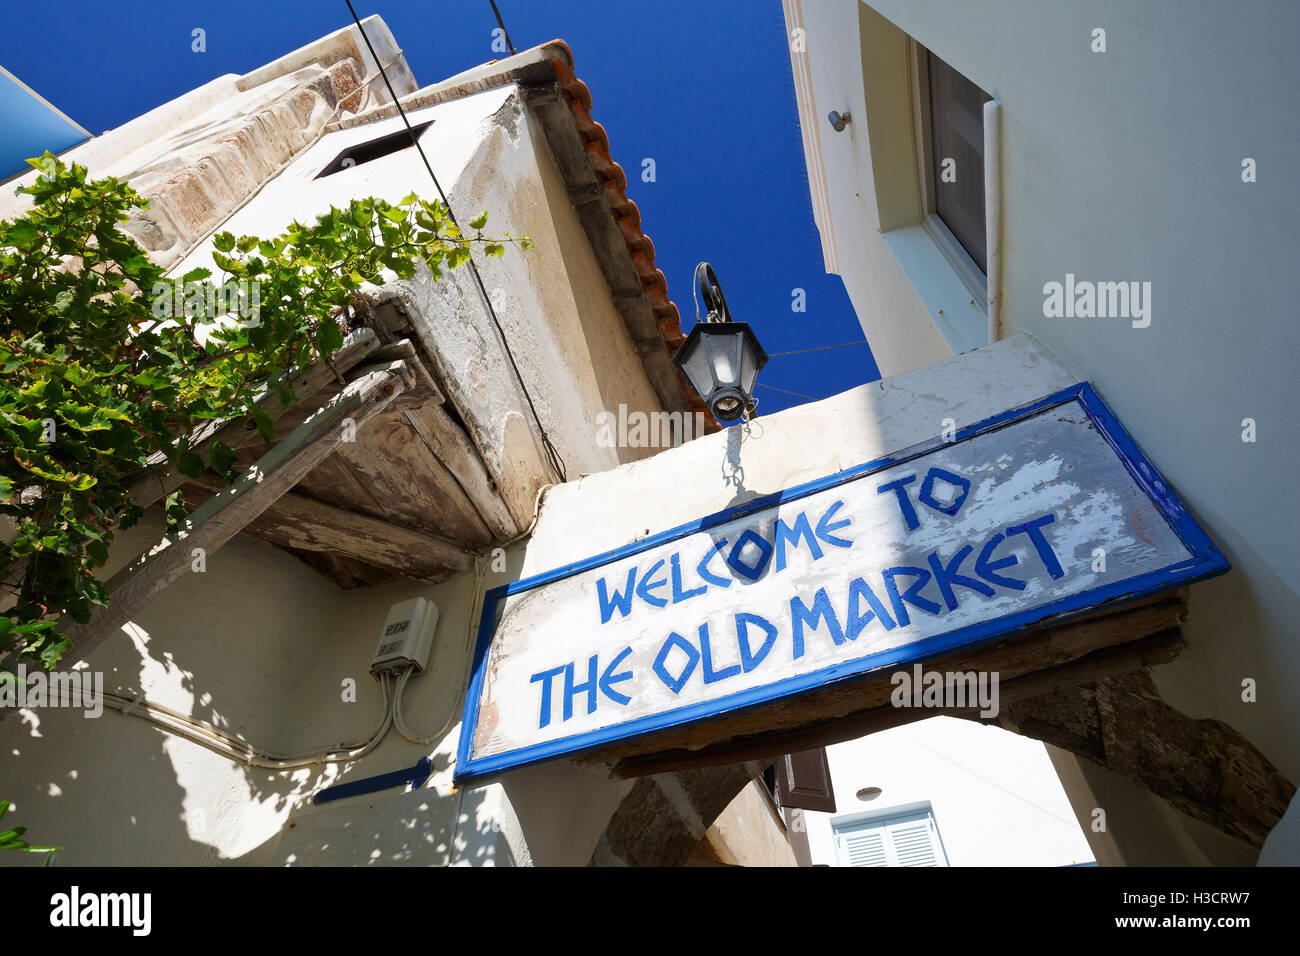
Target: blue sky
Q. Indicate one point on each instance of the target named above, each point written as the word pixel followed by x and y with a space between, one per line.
pixel 701 86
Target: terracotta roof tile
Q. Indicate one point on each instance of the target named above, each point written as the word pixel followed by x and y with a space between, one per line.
pixel 639 245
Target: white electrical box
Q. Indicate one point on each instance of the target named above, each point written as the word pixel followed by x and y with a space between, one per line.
pixel 407 637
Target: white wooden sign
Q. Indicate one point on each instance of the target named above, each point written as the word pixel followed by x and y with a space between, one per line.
pixel 1045 510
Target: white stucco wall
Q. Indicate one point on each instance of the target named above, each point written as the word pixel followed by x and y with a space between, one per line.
pixel 1126 165
pixel 995 796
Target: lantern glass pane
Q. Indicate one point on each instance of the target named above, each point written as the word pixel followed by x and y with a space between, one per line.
pixel 725 351
pixel 748 366
pixel 697 368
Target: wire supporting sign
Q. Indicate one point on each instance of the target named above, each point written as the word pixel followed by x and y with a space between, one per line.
pixel 1044 511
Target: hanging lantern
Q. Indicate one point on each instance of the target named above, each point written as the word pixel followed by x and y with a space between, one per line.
pixel 720 358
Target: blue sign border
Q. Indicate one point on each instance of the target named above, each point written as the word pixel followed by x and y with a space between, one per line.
pixel 1206 561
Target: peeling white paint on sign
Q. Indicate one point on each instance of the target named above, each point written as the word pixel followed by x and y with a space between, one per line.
pixel 936 547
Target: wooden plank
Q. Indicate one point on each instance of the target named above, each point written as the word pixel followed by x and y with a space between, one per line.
pixel 344 572
pixel 424 393
pixel 335 483
pixel 410 484
pixel 302 523
pixel 1159 648
pixel 162 479
pixel 450 445
pixel 217 521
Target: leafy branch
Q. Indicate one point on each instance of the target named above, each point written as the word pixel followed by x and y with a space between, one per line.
pixel 12 839
pixel 105 360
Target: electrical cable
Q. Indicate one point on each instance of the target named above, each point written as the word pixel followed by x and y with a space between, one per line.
pixel 786 391
pixel 202 733
pixel 206 735
pixel 501 23
pixel 820 348
pixel 556 461
pixel 475 609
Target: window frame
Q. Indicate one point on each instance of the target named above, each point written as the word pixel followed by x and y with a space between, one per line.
pixel 967 269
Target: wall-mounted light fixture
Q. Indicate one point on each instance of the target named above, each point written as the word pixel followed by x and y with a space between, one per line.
pixel 839 120
pixel 869 793
pixel 720 358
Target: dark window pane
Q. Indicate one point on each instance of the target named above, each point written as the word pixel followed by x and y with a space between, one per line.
pixel 957 133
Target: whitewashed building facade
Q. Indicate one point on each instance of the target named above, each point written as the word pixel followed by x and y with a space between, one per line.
pixel 1112 180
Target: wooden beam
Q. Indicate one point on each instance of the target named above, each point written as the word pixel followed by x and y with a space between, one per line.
pixel 305 524
pixel 214 523
pixel 161 479
pixel 452 447
pixel 1159 648
pixel 1201 767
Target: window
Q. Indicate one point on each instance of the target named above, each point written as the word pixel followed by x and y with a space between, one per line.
pixel 957 160
pixel 373 149
pixel 950 133
pixel 910 838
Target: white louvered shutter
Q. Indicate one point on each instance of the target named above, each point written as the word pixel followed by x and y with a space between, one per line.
pixel 910 839
pixel 865 848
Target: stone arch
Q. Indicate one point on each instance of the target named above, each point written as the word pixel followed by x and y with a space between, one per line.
pixel 1117 720
pixel 664 816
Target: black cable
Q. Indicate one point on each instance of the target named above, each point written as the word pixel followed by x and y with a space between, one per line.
pixel 820 348
pixel 556 461
pixel 786 391
pixel 497 13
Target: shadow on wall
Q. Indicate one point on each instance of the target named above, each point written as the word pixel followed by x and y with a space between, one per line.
pixel 408 829
pixel 260 647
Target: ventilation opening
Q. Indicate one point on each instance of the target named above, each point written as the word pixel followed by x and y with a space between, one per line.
pixel 373 149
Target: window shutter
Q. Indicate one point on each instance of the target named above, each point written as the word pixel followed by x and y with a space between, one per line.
pixel 803 781
pixel 865 848
pixel 909 839
pixel 912 843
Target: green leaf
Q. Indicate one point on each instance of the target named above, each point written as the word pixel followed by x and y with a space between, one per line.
pixel 124 384
pixel 21 233
pixel 265 426
pixel 190 465
pixel 479 221
pixel 329 337
pixel 53 650
pixel 224 459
